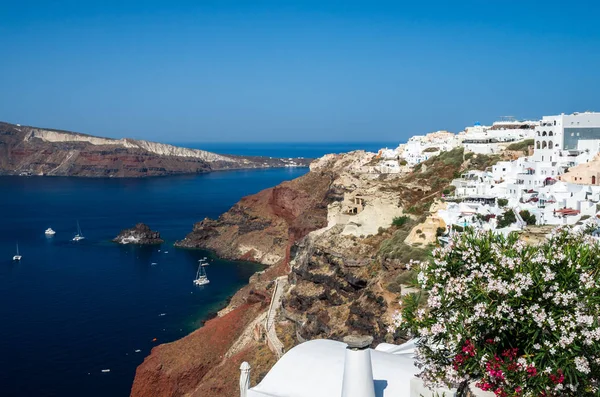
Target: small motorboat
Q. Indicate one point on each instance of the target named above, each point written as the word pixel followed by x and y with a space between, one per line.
pixel 49 232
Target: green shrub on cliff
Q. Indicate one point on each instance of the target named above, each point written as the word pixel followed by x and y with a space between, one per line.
pixel 395 248
pixel 528 217
pixel 400 221
pixel 507 219
pixel 483 161
pixel 520 146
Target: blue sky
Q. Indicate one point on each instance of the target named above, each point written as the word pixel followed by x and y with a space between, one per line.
pixel 293 71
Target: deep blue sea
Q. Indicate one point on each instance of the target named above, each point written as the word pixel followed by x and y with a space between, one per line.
pixel 69 310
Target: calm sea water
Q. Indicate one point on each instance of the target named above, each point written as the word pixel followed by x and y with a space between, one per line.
pixel 69 310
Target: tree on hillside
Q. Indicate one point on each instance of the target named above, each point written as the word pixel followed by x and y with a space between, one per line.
pixel 528 217
pixel 507 219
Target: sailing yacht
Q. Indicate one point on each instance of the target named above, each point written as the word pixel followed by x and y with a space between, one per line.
pixel 17 257
pixel 79 235
pixel 49 232
pixel 201 277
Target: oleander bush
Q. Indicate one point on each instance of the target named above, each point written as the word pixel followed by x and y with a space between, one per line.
pixel 518 320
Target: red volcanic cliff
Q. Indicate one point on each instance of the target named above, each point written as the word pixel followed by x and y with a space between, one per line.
pixel 263 226
pixel 37 151
pixel 177 368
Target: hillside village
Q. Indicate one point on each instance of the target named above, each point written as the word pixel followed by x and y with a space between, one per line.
pixel 554 178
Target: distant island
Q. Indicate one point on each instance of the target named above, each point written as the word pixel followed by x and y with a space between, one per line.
pixel 29 151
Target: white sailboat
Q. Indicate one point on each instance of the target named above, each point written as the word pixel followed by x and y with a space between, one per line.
pixel 79 235
pixel 201 277
pixel 17 257
pixel 49 232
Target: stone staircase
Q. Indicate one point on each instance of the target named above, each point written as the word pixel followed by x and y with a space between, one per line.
pixel 272 340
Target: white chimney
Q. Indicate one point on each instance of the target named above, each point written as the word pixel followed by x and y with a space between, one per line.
pixel 358 372
pixel 244 379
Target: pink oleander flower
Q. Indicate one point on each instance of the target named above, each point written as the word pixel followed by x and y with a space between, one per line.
pixel 509 314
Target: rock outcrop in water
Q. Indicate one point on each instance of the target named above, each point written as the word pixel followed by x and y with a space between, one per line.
pixel 38 151
pixel 139 234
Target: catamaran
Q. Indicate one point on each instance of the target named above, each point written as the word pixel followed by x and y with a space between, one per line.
pixel 49 232
pixel 201 277
pixel 17 257
pixel 79 235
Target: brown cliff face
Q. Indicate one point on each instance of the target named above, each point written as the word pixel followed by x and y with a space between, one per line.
pixel 338 288
pixel 34 151
pixel 263 226
pixel 177 368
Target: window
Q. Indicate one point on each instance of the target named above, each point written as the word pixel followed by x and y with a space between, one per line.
pixel 544 133
pixel 537 145
pixel 550 133
pixel 572 133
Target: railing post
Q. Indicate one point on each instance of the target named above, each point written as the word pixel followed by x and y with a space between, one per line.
pixel 244 378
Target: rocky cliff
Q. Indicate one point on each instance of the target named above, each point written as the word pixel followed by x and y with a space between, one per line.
pixel 263 226
pixel 337 281
pixel 38 151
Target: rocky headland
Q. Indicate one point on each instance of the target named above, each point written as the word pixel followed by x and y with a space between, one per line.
pixel 336 249
pixel 39 151
pixel 139 234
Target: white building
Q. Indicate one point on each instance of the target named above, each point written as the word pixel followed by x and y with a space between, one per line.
pixel 561 138
pixel 474 184
pixel 420 148
pixel 534 183
pixel 494 139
